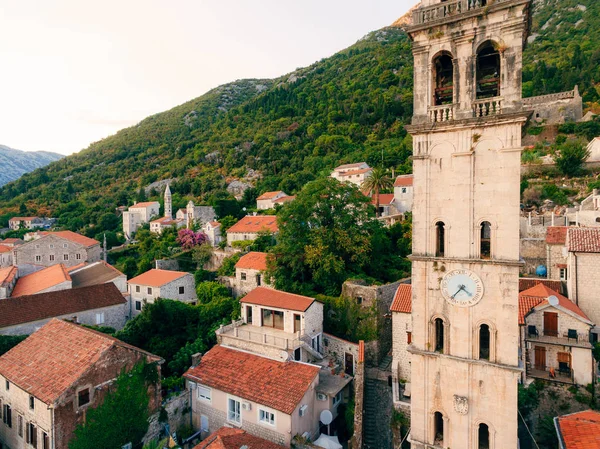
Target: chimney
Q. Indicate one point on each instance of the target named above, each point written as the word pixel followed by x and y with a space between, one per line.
pixel 196 359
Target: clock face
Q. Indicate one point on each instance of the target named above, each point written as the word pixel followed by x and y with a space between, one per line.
pixel 462 288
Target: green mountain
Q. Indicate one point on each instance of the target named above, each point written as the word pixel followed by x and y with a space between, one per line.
pixel 349 107
pixel 15 163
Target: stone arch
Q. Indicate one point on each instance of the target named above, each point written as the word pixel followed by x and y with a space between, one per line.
pixel 490 354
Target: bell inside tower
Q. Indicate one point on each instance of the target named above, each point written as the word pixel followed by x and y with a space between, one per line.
pixel 488 72
pixel 444 80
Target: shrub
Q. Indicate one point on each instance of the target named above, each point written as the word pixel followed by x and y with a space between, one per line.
pixel 572 155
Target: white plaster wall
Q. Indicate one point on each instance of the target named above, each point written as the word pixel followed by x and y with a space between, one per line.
pixel 401 325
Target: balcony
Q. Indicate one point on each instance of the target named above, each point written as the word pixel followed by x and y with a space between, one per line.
pixel 239 332
pixel 560 375
pixel 445 10
pixel 581 341
pixel 443 113
pixel 487 107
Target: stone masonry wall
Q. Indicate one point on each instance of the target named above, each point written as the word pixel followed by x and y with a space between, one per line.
pixel 584 275
pixel 356 442
pixel 171 290
pixel 179 413
pixel 533 251
pixel 336 348
pixel 52 245
pixel 555 255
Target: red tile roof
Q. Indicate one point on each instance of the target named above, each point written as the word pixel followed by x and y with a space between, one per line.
pixel 214 224
pixel 583 240
pixel 5 249
pixel 12 241
pixel 402 299
pixel 527 283
pixel 73 237
pixel 230 438
pixel 384 199
pixel 284 199
pixel 157 278
pixel 52 359
pixel 404 181
pixel 356 172
pixel 539 294
pixel 269 297
pixel 166 221
pixel 23 218
pixel 580 430
pixel 251 224
pixel 41 280
pixel 556 235
pixel 7 275
pixel 26 309
pixel 270 195
pixel 347 166
pixel 145 204
pixel 253 261
pixel 279 385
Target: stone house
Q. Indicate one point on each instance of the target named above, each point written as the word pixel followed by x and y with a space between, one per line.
pixel 274 323
pixel 11 242
pixel 53 248
pixel 212 229
pixel 6 256
pixel 270 399
pixel 249 227
pixel 49 279
pixel 98 273
pixel 51 379
pixel 556 253
pixel 160 224
pixel 232 438
pixel 249 273
pixel 583 272
pixel 286 199
pixel 198 215
pixel 555 337
pixel 352 173
pixel 403 193
pixel 16 223
pixel 98 305
pixel 594 149
pixel 165 284
pixel 341 352
pixel 402 332
pixel 579 430
pixel 139 214
pixel 267 199
pixel 8 279
pixel 387 204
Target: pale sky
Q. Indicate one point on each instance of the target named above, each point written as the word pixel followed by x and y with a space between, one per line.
pixel 73 72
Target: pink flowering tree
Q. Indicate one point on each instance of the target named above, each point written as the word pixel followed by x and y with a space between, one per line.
pixel 188 239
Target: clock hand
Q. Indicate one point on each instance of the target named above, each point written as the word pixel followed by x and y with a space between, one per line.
pixel 460 287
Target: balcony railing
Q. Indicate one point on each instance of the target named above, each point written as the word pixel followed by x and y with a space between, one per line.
pixel 487 107
pixel 448 9
pixel 443 113
pixel 261 335
pixel 564 339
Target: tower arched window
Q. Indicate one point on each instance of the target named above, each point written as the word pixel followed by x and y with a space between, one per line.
pixel 488 71
pixel 443 80
pixel 484 342
pixel 440 239
pixel 485 240
pixel 439 335
pixel 438 428
pixel 483 436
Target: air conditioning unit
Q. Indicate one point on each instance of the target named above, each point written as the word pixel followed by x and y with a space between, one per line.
pixel 246 406
pixel 303 410
pixel 321 397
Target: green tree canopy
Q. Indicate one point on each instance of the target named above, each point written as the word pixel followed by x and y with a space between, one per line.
pixel 377 182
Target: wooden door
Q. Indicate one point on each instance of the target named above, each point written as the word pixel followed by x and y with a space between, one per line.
pixel 551 324
pixel 349 364
pixel 540 358
pixel 297 321
pixel 248 314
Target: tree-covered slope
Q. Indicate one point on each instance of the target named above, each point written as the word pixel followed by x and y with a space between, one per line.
pixel 15 163
pixel 349 107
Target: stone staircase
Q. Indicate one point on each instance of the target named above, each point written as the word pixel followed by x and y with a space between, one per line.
pixel 370 433
pixel 385 363
pixel 308 348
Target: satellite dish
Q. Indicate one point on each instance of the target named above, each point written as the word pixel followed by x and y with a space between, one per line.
pixel 326 417
pixel 284 356
pixel 553 301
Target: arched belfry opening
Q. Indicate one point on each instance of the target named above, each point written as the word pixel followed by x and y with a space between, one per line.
pixel 440 239
pixel 488 71
pixel 444 79
pixel 485 240
pixel 483 434
pixel 484 342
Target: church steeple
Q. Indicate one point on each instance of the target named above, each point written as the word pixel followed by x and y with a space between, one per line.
pixel 168 203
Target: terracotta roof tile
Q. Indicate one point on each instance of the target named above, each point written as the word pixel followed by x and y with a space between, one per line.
pixel 534 296
pixel 583 240
pixel 356 172
pixel 279 385
pixel 73 237
pixel 402 299
pixel 580 430
pixel 41 280
pixel 145 204
pixel 347 166
pixel 285 199
pixel 269 297
pixel 26 309
pixel 230 438
pixel 53 358
pixel 384 199
pixel 270 195
pixel 404 181
pixel 12 241
pixel 251 224
pixel 556 235
pixel 5 249
pixel 157 278
pixel 527 283
pixel 253 261
pixel 24 218
pixel 7 275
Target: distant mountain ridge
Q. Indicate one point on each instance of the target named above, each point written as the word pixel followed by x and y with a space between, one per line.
pixel 16 163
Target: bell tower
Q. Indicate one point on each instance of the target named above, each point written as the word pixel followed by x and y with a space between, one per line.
pixel 466 129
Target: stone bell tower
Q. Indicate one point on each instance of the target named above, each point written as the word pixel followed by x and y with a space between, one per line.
pixel 168 203
pixel 466 130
